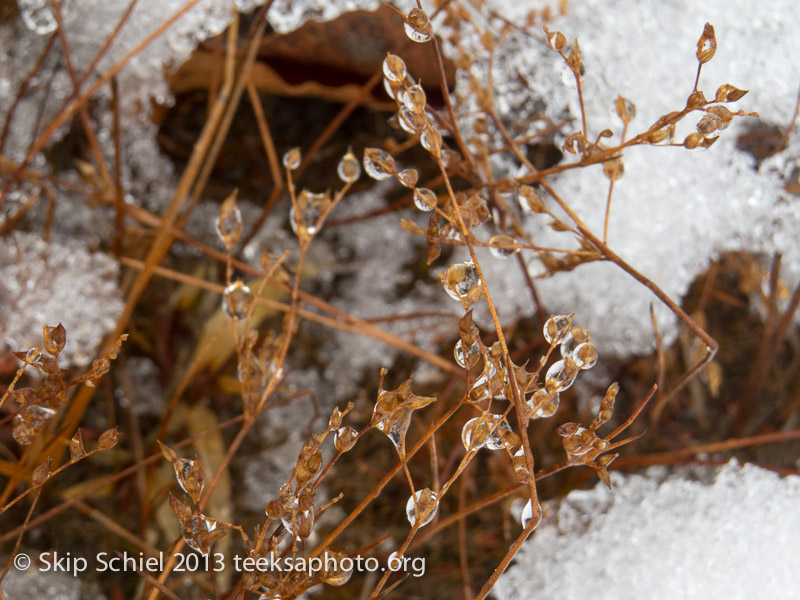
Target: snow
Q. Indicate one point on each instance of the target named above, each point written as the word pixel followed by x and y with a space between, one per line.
pixel 673 210
pixel 692 533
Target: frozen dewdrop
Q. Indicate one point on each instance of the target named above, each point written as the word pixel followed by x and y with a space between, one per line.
pixel 299 523
pixel 470 359
pixel 461 282
pixel 495 441
pixel 502 246
pixel 394 68
pixel 427 504
pixel 568 77
pixel 542 404
pixel 408 177
pixel 228 224
pixel 527 514
pixel 562 373
pixel 291 159
pixel 529 200
pixel 410 121
pixel 418 26
pixel 475 433
pixel 555 328
pixel 424 199
pixel 236 300
pixel 431 140
pixel 414 99
pixel 585 355
pixel 556 40
pixel 339 575
pixel 379 164
pixel 349 169
pixel 344 438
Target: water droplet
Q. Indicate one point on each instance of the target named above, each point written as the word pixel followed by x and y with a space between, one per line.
pixel 556 40
pixel 344 438
pixel 297 522
pixel 431 140
pixel 585 355
pixel 291 160
pixel 311 207
pixel 32 354
pixel 394 69
pixel 555 327
pixel 461 282
pixel 527 514
pixel 568 77
pixel 542 404
pixel 349 169
pixel 338 575
pixel 418 26
pixel 562 374
pixel 408 177
pixel 410 121
pixel 379 164
pixel 424 199
pixel 475 433
pixel 472 356
pixel 426 503
pixel 228 224
pixel 236 300
pixel 501 246
pixel 414 99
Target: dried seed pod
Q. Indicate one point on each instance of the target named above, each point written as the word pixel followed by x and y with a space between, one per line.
pixel 461 282
pixel 292 158
pixel 626 110
pixel 108 439
pixel 707 44
pixel 423 505
pixel 344 438
pixel 379 164
pixel 418 26
pixel 394 68
pixel 54 338
pixel 424 199
pixel 236 300
pixel 229 223
pixel 349 169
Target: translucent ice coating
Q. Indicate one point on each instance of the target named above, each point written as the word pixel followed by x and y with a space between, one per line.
pixel 672 212
pixel 702 533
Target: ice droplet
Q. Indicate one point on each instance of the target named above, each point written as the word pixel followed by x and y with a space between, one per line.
pixel 379 164
pixel 349 168
pixel 527 514
pixel 414 99
pixel 427 504
pixel 424 199
pixel 229 224
pixel 461 282
pixel 568 77
pixel 311 206
pixel 410 121
pixel 472 355
pixel 344 438
pixel 585 355
pixel 475 433
pixel 561 374
pixel 298 522
pixel 394 69
pixel 502 246
pixel 236 300
pixel 291 160
pixel 408 177
pixel 418 26
pixel 431 140
pixel 555 327
pixel 542 404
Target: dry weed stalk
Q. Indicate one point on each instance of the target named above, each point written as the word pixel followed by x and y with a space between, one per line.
pixel 464 196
